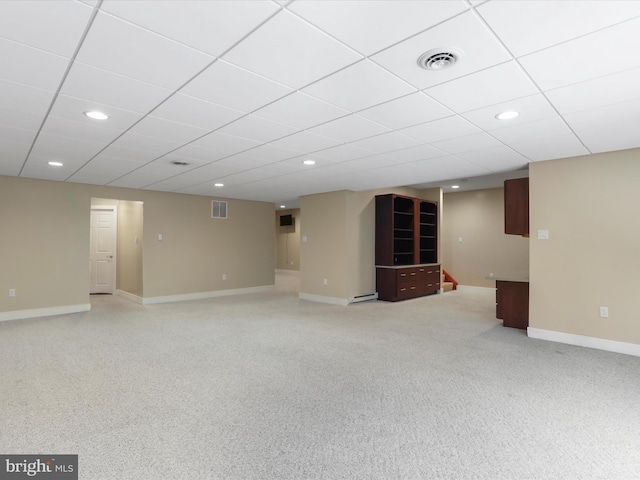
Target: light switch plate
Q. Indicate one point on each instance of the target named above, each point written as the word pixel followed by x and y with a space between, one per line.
pixel 543 234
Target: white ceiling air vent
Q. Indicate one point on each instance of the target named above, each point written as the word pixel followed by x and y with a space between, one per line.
pixel 439 58
pixel 218 209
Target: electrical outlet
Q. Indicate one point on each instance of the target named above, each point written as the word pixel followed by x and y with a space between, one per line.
pixel 12 292
pixel 604 312
pixel 224 276
pixel 325 281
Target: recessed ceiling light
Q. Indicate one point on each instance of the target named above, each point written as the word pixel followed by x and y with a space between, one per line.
pixel 309 162
pixel 455 186
pixel 218 184
pixel 283 206
pixel 96 115
pixel 55 164
pixel 508 115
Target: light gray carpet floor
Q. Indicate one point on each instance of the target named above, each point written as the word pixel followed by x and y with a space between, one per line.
pixel 267 386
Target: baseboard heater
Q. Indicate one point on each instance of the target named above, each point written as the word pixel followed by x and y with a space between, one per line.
pixel 364 298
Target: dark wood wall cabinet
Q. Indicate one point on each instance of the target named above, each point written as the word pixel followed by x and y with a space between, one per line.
pixel 406 247
pixel 516 206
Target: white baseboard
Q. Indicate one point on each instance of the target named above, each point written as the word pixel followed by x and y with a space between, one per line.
pixel 44 312
pixel 200 295
pixel 584 341
pixel 129 296
pixel 292 272
pixel 343 302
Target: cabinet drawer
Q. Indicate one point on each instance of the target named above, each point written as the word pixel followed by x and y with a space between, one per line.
pixel 432 279
pixel 409 275
pixel 408 290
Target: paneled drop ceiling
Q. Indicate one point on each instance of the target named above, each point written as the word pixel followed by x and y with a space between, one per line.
pixel 241 92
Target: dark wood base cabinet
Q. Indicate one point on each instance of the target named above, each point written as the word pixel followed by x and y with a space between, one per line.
pixel 512 303
pixel 402 283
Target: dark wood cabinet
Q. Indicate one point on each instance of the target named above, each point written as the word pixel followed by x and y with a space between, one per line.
pixel 406 251
pixel 516 206
pixel 512 303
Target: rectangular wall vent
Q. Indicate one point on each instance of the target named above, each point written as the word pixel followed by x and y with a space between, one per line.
pixel 218 209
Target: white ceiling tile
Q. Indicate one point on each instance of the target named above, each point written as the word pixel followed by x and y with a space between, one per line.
pixel 386 142
pixel 585 58
pixel 212 27
pixel 531 108
pixel 37 167
pixel 222 145
pixel 348 89
pixel 305 142
pixel 300 111
pixel 608 128
pixel 401 175
pixel 234 87
pixel 195 112
pixel 465 33
pixel 18 135
pixel 270 153
pixel 526 26
pixel 206 174
pixel 108 88
pixel 450 167
pixel 487 87
pixel 108 46
pixel 369 26
pixel 599 92
pixel 140 157
pixel 341 153
pixel 372 161
pixel 20 119
pixel 154 146
pixel 23 97
pixel 150 173
pixel 258 129
pixel 192 152
pixel 41 30
pixel 103 169
pixel 414 154
pixel 73 109
pixel 554 146
pixel 539 130
pixel 349 128
pixel 173 131
pixel 406 111
pixel 97 132
pixel 496 159
pixel 476 141
pixel 12 156
pixel 30 66
pixel 441 129
pixel 56 147
pixel 290 51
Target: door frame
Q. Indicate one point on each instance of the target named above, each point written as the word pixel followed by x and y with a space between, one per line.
pixel 113 208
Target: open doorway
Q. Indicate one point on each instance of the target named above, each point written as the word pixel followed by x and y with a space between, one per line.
pixel 115 263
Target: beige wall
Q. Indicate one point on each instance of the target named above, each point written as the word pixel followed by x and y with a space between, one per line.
pixel 477 218
pixel 44 245
pixel 129 257
pixel 340 228
pixel 288 241
pixel 591 207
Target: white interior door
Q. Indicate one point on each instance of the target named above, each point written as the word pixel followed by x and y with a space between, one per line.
pixel 102 240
